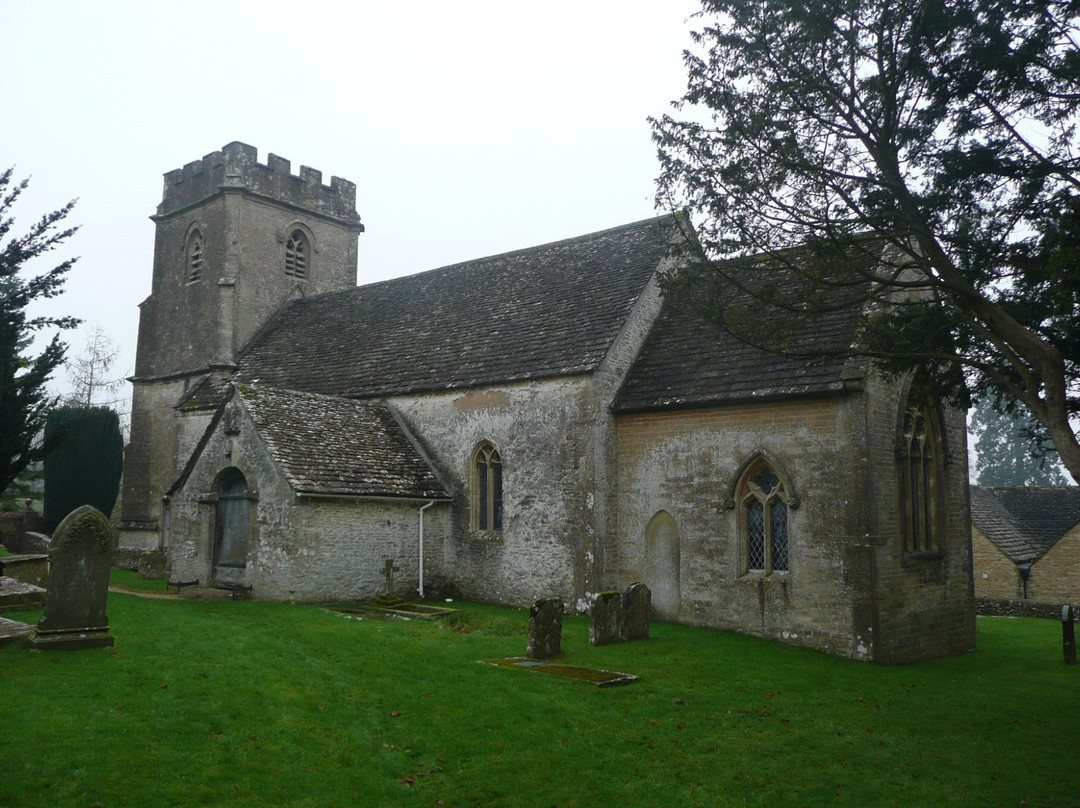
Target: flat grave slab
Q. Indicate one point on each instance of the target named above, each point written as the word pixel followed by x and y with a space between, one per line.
pixel 403 611
pixel 13 631
pixel 593 676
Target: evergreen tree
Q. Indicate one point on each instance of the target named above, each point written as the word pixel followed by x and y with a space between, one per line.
pixel 24 400
pixel 85 464
pixel 946 130
pixel 1009 451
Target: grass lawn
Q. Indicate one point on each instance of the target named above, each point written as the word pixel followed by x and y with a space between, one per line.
pixel 262 704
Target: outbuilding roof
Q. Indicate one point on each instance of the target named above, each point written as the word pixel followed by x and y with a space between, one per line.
pixel 334 446
pixel 547 311
pixel 1025 522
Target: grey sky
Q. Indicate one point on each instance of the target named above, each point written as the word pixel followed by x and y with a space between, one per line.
pixel 470 127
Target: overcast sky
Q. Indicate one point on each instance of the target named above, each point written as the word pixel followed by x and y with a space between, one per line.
pixel 470 128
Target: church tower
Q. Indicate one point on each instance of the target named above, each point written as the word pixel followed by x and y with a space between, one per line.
pixel 235 240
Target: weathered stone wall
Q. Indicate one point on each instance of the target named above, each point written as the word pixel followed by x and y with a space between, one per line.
pixel 851 589
pixel 606 382
pixel 162 441
pixel 185 326
pixel 545 433
pixel 1006 607
pixel 924 605
pixel 996 575
pixel 245 212
pixel 306 549
pixel 1056 576
pixel 685 464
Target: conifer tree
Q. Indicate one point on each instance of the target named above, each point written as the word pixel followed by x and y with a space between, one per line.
pixel 85 463
pixel 24 399
pixel 945 129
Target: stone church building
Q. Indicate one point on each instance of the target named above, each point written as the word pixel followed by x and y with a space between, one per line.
pixel 539 423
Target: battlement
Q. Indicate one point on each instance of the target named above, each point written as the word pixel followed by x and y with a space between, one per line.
pixel 236 166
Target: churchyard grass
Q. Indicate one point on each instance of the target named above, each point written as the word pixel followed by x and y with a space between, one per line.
pixel 129 579
pixel 265 704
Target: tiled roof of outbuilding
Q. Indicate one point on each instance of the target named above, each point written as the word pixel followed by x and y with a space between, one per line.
pixel 690 359
pixel 334 446
pixel 1025 522
pixel 551 310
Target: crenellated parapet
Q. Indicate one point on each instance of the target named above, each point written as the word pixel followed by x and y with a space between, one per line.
pixel 236 168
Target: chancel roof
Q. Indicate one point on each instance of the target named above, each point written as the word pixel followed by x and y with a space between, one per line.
pixel 552 310
pixel 693 357
pixel 334 446
pixel 1025 522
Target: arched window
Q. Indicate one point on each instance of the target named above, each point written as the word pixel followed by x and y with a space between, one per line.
pixel 763 517
pixel 194 257
pixel 297 254
pixel 487 488
pixel 921 473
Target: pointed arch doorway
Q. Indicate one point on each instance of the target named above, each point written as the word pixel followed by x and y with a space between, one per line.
pixel 232 516
pixel 662 565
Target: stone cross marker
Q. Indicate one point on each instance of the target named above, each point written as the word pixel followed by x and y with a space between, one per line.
pixel 80 558
pixel 545 629
pixel 388 570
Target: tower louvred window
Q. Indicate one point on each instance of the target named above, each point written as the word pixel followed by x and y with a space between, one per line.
pixel 195 257
pixel 296 255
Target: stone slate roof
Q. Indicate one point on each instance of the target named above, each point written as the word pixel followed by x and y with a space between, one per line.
pixel 334 446
pixel 691 359
pixel 1025 522
pixel 548 311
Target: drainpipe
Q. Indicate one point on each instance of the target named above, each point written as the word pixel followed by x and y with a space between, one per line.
pixel 1025 573
pixel 423 508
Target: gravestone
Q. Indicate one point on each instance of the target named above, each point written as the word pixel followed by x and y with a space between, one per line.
pixel 80 559
pixel 1068 633
pixel 545 629
pixel 153 565
pixel 606 618
pixel 636 602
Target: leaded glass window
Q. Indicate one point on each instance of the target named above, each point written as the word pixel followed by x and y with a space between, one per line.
pixel 487 489
pixel 296 255
pixel 765 521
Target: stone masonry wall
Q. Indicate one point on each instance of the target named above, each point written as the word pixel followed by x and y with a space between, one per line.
pixel 1056 576
pixel 923 606
pixel 544 433
pixel 996 575
pixel 686 464
pixel 154 462
pixel 245 212
pixel 306 549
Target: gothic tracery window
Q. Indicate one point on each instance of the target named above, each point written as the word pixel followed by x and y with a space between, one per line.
pixel 920 478
pixel 487 489
pixel 297 255
pixel 764 521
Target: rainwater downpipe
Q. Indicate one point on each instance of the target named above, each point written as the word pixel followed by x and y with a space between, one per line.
pixel 423 508
pixel 1025 573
